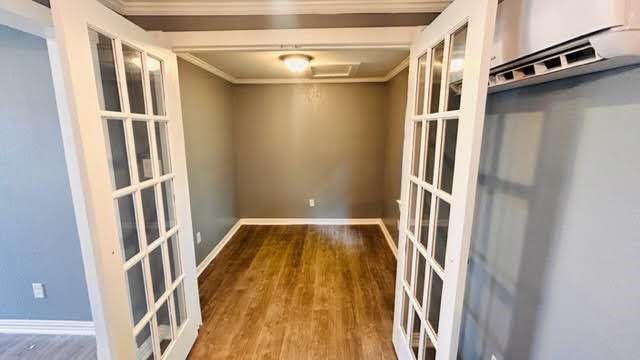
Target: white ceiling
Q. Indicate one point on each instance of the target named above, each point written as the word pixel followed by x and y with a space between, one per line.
pixel 271 7
pixel 257 66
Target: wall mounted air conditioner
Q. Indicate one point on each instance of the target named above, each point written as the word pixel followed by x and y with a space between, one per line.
pixel 543 40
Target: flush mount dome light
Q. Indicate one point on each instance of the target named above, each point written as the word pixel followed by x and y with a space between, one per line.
pixel 296 63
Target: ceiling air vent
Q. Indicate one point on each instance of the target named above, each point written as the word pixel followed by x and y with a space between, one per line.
pixel 334 70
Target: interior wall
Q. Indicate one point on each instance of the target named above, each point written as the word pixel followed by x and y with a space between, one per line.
pixel 554 261
pixel 39 237
pixel 394 140
pixel 207 116
pixel 297 142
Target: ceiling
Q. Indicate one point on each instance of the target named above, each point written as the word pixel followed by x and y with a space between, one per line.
pixel 266 66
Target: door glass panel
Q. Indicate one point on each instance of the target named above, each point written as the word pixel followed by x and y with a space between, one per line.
pixel 422 67
pixel 456 69
pixel 150 213
pixel 415 334
pixel 128 229
pixel 168 203
pixel 157 89
pixel 180 306
pixel 405 311
pixel 144 344
pixel 432 132
pixel 425 218
pixel 137 293
pixel 157 272
pixel 174 257
pixel 105 71
pixel 408 264
pixel 420 278
pixel 133 72
pixel 429 348
pixel 165 334
pixel 435 297
pixel 162 143
pixel 442 229
pixel 417 136
pixel 143 150
pixel 117 144
pixel 448 161
pixel 413 202
pixel 436 77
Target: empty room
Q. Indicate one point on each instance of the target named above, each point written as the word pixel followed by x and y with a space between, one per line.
pixel 334 179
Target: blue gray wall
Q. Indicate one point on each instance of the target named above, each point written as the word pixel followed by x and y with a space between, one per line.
pixel 38 231
pixel 555 253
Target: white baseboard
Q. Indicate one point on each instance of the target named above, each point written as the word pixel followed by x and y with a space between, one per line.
pixel 216 250
pixel 387 235
pixel 52 327
pixel 309 221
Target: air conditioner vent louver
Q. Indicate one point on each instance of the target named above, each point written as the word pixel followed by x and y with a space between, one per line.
pixel 564 60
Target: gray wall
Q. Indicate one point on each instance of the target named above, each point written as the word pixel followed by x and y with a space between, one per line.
pixel 321 141
pixel 206 108
pixel 394 139
pixel 39 237
pixel 554 267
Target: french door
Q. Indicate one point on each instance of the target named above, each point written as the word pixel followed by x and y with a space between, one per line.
pixel 449 69
pixel 123 99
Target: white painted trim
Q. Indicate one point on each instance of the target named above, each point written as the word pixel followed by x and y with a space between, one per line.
pixel 206 66
pixel 309 221
pixel 398 69
pixel 275 7
pixel 216 250
pixel 115 5
pixel 27 16
pixel 387 235
pixel 52 327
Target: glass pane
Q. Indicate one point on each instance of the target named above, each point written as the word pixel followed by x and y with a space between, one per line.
pixel 425 218
pixel 456 69
pixel 442 229
pixel 405 311
pixel 143 150
pixel 429 348
pixel 150 213
pixel 437 55
pixel 422 66
pixel 157 90
pixel 128 231
pixel 415 157
pixel 165 334
pixel 420 278
pixel 408 263
pixel 117 143
pixel 157 272
pixel 448 154
pixel 169 206
pixel 133 70
pixel 413 200
pixel 174 257
pixel 432 132
pixel 144 344
pixel 180 306
pixel 137 294
pixel 104 68
pixel 162 143
pixel 435 296
pixel 415 336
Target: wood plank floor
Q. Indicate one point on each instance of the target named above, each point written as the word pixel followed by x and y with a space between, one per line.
pixel 299 292
pixel 47 347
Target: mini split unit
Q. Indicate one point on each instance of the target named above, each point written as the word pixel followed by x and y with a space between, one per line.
pixel 543 40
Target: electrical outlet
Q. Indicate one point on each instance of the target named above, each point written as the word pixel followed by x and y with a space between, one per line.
pixel 312 202
pixel 38 291
pixel 198 237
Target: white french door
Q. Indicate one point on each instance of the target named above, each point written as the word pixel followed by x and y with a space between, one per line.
pixel 449 70
pixel 124 104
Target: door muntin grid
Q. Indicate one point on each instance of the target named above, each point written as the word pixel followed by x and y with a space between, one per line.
pixel 137 143
pixel 436 119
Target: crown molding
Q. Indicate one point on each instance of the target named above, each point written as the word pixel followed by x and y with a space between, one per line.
pixel 275 7
pixel 232 79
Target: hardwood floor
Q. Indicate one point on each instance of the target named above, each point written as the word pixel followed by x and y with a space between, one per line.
pixel 47 347
pixel 299 292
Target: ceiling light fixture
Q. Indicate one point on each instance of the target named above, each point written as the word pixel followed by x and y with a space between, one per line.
pixel 296 63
